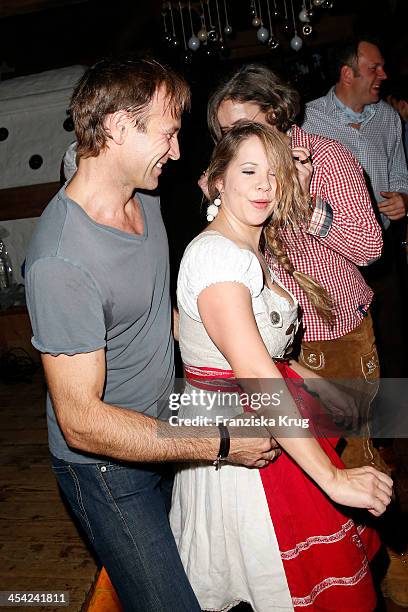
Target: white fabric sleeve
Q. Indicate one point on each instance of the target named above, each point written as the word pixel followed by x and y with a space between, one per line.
pixel 211 259
pixel 65 307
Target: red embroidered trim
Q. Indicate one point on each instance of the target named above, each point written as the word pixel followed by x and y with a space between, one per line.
pixel 208 372
pixel 328 583
pixel 327 539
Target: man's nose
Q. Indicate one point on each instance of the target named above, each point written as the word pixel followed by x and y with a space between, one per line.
pixel 174 152
pixel 381 73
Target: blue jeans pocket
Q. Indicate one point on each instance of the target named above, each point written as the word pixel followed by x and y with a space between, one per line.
pixel 125 479
pixel 69 482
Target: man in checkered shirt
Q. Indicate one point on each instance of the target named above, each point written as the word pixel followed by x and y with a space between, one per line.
pixel 342 232
pixel 352 114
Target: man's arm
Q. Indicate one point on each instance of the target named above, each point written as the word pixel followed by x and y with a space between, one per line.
pixel 89 424
pixel 353 230
pixel 395 203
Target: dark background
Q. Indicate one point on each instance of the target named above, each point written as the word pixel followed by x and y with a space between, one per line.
pixel 37 35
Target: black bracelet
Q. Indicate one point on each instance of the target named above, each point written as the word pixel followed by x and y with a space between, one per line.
pixel 224 446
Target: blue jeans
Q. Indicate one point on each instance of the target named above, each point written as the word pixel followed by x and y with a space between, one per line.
pixel 123 509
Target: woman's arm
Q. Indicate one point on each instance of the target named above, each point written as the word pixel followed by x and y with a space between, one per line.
pixel 226 312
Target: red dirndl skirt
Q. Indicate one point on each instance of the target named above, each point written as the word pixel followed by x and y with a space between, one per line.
pixel 324 553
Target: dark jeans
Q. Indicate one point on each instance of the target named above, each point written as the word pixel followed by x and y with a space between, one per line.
pixel 387 278
pixel 123 509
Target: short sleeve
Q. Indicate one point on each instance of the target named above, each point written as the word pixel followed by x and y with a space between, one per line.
pixel 211 259
pixel 65 308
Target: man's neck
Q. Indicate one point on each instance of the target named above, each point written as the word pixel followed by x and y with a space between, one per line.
pixel 105 201
pixel 97 188
pixel 346 97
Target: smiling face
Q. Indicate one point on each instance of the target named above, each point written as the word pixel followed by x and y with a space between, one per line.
pixel 248 187
pixel 145 153
pixel 366 81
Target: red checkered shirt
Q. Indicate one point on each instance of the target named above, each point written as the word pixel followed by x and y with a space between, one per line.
pixel 342 234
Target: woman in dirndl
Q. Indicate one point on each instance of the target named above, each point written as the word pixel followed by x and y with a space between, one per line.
pixel 278 537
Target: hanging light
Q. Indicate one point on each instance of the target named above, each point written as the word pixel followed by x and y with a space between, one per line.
pixel 273 42
pixel 174 42
pixel 187 54
pixel 256 22
pixel 275 12
pixel 212 32
pixel 193 42
pixel 262 34
pixel 303 16
pixel 228 28
pixel 296 42
pixel 202 33
pixel 166 34
pixel 310 12
pixel 286 24
pixel 219 26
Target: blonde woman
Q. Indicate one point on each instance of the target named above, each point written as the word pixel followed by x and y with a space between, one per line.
pixel 270 537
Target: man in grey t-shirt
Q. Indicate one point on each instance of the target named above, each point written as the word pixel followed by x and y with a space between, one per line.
pixel 98 297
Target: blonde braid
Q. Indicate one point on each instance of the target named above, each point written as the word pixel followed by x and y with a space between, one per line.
pixel 317 295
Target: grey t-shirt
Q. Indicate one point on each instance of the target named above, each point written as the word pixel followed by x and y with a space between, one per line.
pixel 91 286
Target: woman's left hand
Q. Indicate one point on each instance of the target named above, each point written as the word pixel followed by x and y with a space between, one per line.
pixel 303 163
pixel 363 487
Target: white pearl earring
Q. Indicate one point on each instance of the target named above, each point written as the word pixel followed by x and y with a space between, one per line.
pixel 212 209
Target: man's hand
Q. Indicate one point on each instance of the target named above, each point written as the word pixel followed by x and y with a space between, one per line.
pixel 304 167
pixel 252 452
pixel 394 206
pixel 340 404
pixel 203 184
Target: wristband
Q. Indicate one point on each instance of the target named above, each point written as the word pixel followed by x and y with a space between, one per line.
pixel 224 446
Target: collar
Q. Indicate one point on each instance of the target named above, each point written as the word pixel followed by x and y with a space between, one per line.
pixel 348 115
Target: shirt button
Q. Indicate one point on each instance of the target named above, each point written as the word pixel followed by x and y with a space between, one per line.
pixel 103 468
pixel 275 317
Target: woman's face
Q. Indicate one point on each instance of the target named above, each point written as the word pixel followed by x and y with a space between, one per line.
pixel 249 185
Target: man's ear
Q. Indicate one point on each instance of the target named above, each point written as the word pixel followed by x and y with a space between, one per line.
pixel 117 124
pixel 346 75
